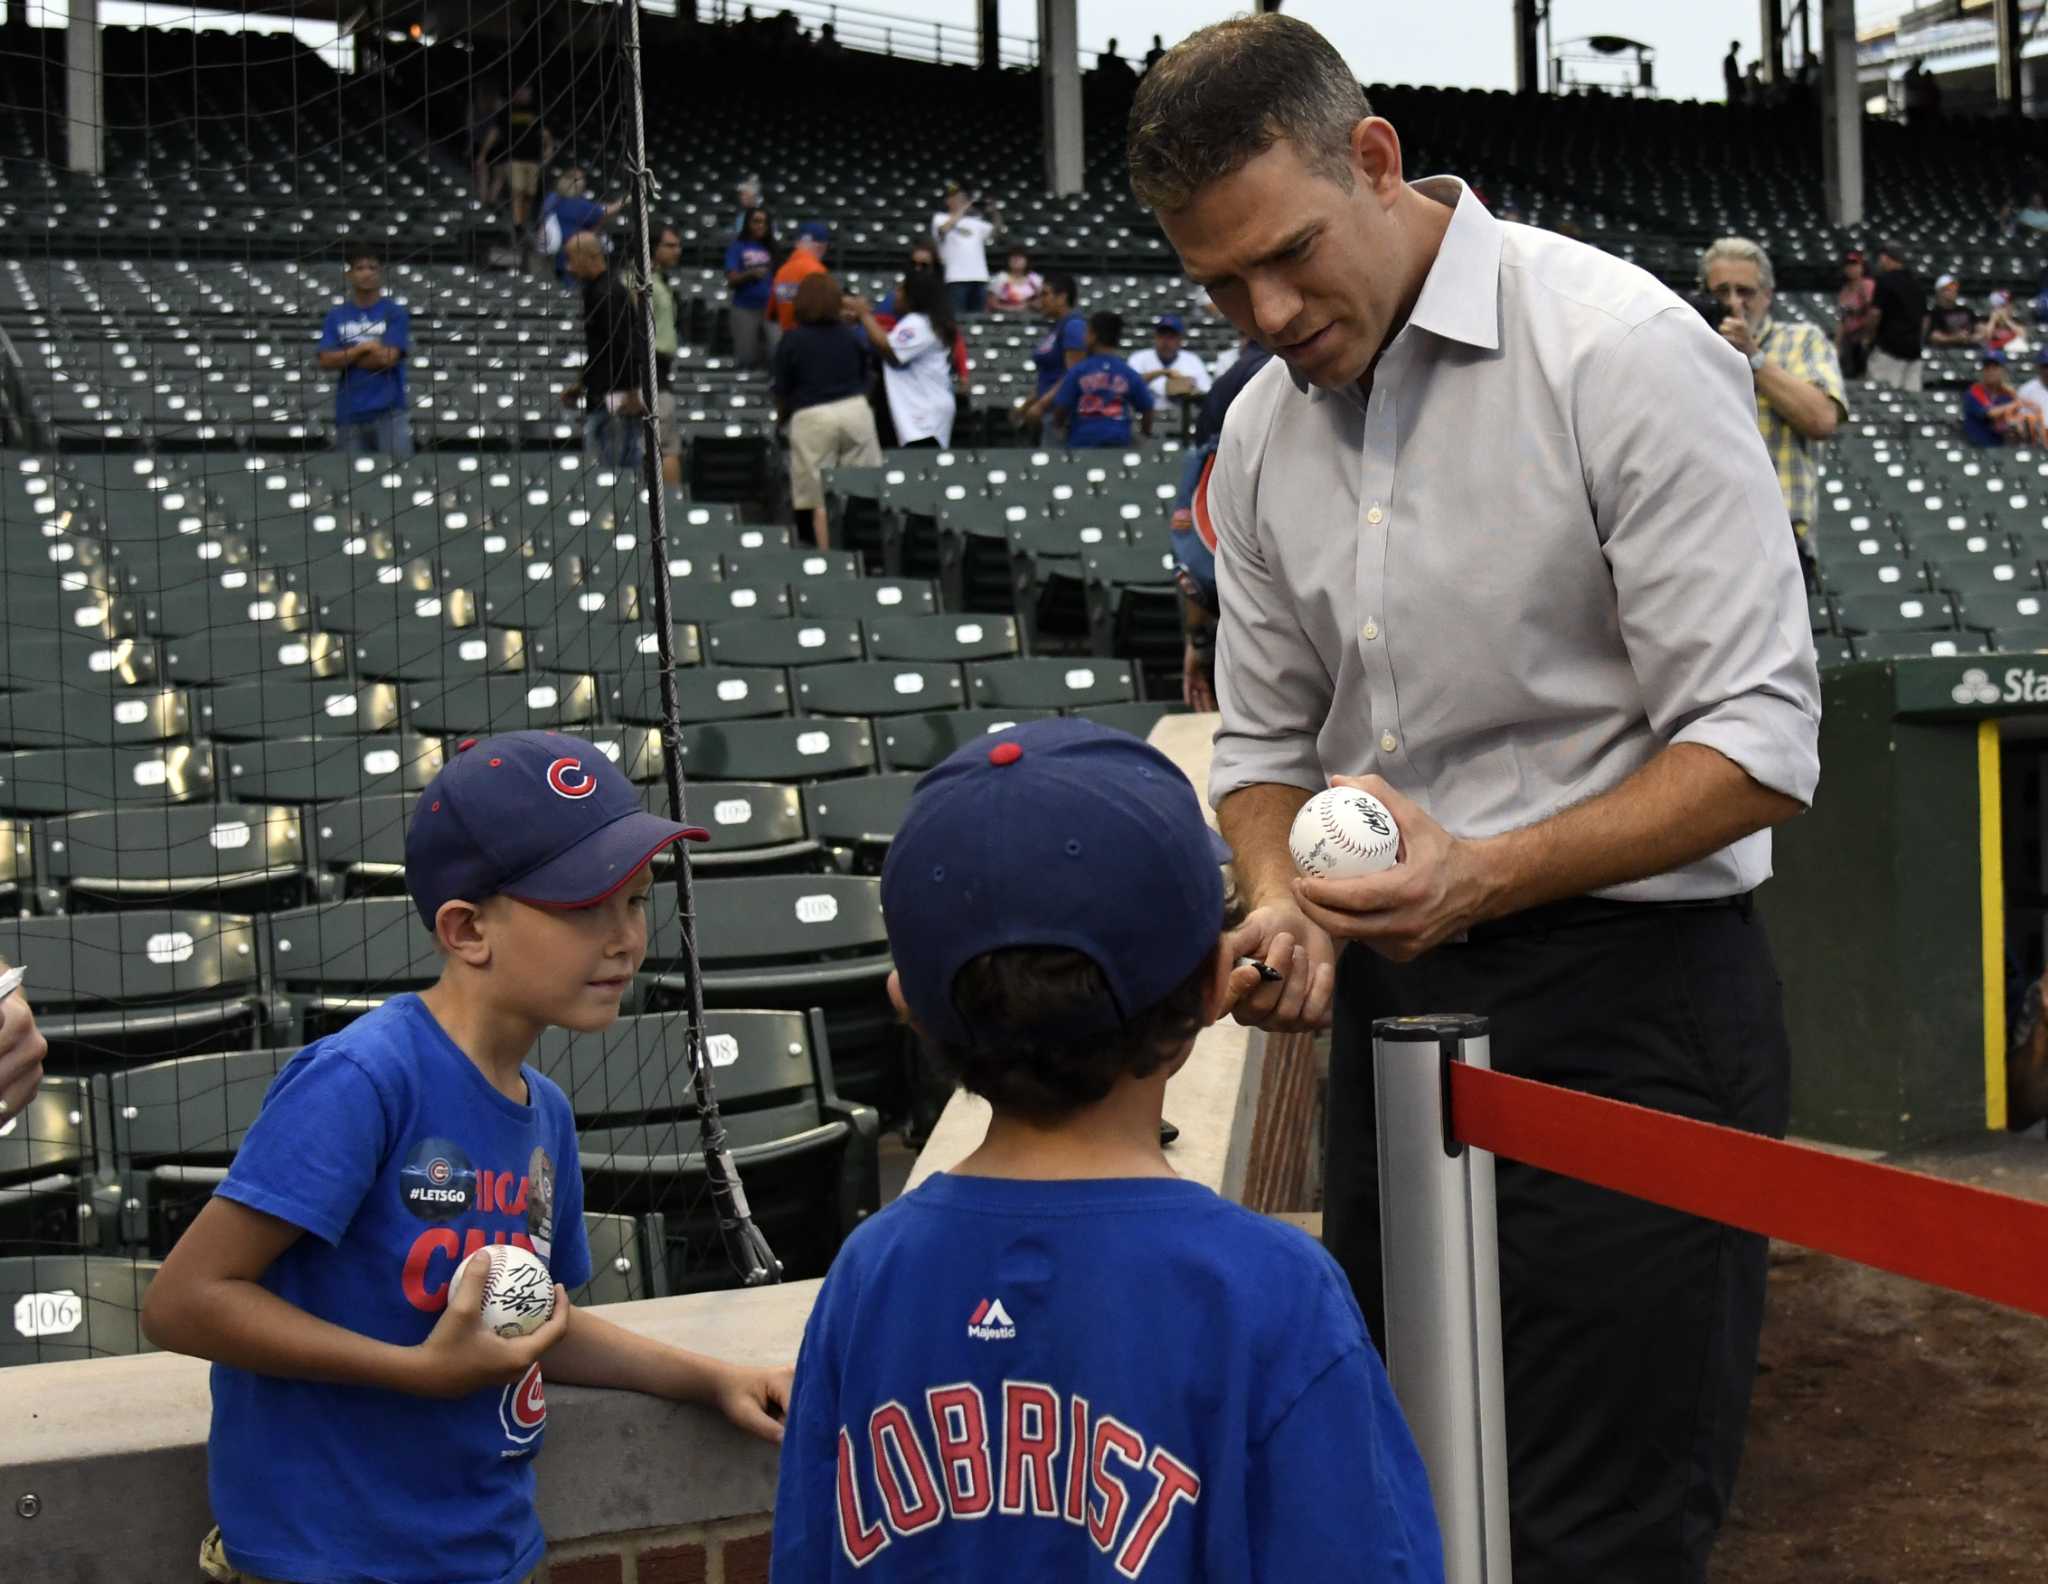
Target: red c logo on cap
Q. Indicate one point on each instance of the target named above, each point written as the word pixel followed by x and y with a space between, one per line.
pixel 566 776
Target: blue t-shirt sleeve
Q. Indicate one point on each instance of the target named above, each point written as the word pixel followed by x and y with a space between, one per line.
pixel 1141 393
pixel 1069 392
pixel 316 1148
pixel 1337 1489
pixel 569 1258
pixel 398 329
pixel 330 331
pixel 1074 334
pixel 733 260
pixel 1973 407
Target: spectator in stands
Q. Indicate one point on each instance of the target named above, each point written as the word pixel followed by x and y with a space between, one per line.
pixel 750 199
pixel 668 253
pixel 522 140
pixel 813 241
pixel 1167 365
pixel 1665 714
pixel 1194 532
pixel 1799 396
pixel 21 1054
pixel 1062 346
pixel 1101 392
pixel 1855 317
pixel 1112 70
pixel 1016 289
pixel 1731 72
pixel 365 341
pixel 917 363
pixel 963 237
pixel 1993 413
pixel 821 377
pixel 2035 392
pixel 1900 302
pixel 1054 904
pixel 487 146
pixel 1954 322
pixel 924 255
pixel 750 278
pixel 2001 327
pixel 1156 53
pixel 610 384
pixel 321 1277
pixel 2033 214
pixel 571 212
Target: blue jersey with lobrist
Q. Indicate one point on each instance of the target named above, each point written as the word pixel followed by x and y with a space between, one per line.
pixel 398 1158
pixel 1093 1381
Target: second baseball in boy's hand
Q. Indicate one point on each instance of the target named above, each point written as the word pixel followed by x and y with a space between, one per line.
pixel 519 1290
pixel 1342 832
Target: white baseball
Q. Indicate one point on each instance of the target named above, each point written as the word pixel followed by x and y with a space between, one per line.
pixel 1343 832
pixel 519 1290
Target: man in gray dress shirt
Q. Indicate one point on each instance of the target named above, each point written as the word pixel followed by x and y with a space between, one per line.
pixel 1498 540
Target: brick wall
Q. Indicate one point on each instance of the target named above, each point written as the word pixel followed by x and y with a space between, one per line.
pixel 732 1552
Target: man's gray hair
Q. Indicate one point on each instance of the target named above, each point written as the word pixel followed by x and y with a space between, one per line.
pixel 1227 93
pixel 1742 251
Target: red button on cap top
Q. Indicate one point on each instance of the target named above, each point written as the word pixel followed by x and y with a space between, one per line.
pixel 1005 753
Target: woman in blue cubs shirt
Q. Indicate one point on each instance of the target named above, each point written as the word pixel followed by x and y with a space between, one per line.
pixel 1058 1360
pixel 750 275
pixel 1101 392
pixel 367 1427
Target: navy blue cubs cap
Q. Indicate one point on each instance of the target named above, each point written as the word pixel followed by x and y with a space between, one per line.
pixel 1054 833
pixel 537 816
pixel 1171 321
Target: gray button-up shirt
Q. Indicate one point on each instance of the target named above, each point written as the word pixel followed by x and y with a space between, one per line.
pixel 1549 544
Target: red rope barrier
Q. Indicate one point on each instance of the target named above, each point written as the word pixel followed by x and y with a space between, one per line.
pixel 1970 1240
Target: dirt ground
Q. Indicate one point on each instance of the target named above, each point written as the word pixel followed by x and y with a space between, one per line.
pixel 1899 1435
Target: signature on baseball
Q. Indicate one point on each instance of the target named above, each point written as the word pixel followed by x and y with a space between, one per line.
pixel 525 1290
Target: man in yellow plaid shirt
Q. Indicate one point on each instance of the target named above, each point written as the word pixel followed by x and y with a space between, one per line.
pixel 1799 395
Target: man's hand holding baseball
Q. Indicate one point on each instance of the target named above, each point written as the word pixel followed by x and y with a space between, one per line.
pixel 1435 891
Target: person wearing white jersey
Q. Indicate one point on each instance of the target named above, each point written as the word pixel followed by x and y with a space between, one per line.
pixel 963 238
pixel 917 360
pixel 1167 361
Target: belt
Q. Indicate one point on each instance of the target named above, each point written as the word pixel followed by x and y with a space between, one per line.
pixel 1575 912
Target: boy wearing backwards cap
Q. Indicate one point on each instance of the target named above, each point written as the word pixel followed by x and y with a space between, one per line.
pixel 366 1424
pixel 1059 1360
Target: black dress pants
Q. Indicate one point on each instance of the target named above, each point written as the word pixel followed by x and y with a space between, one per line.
pixel 1629 1331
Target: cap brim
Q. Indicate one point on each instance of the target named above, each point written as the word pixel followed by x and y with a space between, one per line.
pixel 1220 849
pixel 598 865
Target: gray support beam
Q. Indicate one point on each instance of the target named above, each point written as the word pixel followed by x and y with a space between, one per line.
pixel 1528 57
pixel 1772 32
pixel 991 40
pixel 1059 75
pixel 85 91
pixel 1841 114
pixel 2006 15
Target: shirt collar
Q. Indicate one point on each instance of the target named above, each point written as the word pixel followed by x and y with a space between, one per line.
pixel 1460 297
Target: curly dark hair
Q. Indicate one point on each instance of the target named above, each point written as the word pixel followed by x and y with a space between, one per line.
pixel 1026 996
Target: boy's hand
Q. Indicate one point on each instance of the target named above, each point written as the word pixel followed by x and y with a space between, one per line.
pixel 461 1355
pixel 757 1400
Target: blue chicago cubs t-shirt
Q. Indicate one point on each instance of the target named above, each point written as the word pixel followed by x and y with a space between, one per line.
pixel 1094 1381
pixel 364 393
pixel 746 255
pixel 399 1158
pixel 1050 355
pixel 1102 392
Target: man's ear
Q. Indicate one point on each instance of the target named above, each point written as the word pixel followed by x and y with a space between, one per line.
pixel 463 932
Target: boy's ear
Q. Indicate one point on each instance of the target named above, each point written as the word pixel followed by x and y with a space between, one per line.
pixel 903 1013
pixel 462 932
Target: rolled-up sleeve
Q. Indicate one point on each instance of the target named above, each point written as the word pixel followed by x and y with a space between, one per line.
pixel 1712 604
pixel 1271 685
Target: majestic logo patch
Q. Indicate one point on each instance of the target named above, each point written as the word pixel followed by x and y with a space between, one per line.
pixel 568 779
pixel 437 1183
pixel 991 1322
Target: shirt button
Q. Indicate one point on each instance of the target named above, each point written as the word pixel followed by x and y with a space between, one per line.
pixel 1369 631
pixel 1375 516
pixel 1387 743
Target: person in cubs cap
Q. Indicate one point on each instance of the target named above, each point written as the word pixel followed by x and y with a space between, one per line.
pixel 321 1278
pixel 1059 1360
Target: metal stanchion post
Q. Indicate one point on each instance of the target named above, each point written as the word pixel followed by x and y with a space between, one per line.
pixel 1442 1263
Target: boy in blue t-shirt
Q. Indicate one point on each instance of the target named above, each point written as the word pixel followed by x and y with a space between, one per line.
pixel 1059 1360
pixel 1100 392
pixel 367 1427
pixel 366 340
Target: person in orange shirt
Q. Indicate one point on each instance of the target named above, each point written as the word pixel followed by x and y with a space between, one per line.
pixel 813 237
